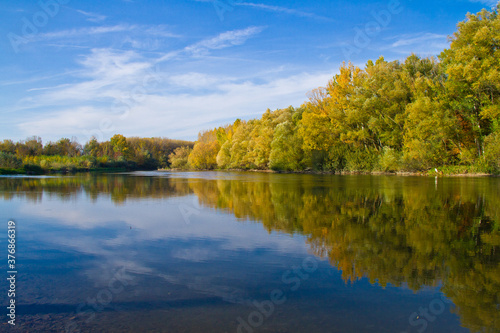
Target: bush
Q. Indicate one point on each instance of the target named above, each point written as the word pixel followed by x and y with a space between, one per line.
pixel 492 152
pixel 361 160
pixel 336 158
pixel 390 160
pixel 10 161
pixel 33 169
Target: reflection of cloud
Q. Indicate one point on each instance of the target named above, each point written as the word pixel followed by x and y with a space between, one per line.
pixel 148 236
pixel 161 221
pixel 209 285
pixel 104 271
pixel 194 254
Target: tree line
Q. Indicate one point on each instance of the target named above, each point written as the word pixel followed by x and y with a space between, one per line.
pixel 413 115
pixel 31 155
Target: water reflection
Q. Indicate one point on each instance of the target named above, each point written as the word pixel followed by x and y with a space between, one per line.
pixel 395 231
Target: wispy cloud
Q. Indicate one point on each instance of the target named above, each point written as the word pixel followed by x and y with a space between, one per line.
pixel 110 77
pixel 85 31
pixel 92 17
pixel 284 10
pixel 35 79
pixel 225 39
pixel 80 33
pixel 227 99
pixel 405 40
pixel 424 44
pixel 124 88
pixel 491 3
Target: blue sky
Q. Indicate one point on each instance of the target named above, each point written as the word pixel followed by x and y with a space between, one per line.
pixel 74 68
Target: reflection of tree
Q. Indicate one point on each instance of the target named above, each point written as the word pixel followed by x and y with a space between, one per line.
pixel 388 229
pixel 119 187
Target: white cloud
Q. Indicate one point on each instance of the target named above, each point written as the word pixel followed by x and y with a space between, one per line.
pixel 491 3
pixel 195 80
pixel 423 44
pixel 405 40
pixel 224 40
pixel 117 91
pixel 92 17
pixel 71 33
pixel 283 10
pixel 169 114
pixel 80 33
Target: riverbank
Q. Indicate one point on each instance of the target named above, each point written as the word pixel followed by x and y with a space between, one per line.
pixel 40 171
pixel 429 173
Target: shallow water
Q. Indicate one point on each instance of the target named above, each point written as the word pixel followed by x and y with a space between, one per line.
pixel 253 252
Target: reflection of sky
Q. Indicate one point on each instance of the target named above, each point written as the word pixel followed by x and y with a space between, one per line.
pixel 144 234
pixel 71 248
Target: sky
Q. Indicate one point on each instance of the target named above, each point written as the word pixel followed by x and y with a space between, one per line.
pixel 77 69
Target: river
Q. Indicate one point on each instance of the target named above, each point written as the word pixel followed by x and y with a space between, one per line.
pixel 252 252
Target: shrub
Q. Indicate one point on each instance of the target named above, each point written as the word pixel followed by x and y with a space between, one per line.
pixel 361 160
pixel 10 161
pixel 492 152
pixel 390 160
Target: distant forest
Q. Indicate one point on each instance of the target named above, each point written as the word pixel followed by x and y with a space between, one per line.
pixel 419 114
pixel 65 155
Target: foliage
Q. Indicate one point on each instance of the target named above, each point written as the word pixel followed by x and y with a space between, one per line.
pixel 472 65
pixel 492 152
pixel 286 148
pixel 9 160
pixel 204 155
pixel 414 115
pixel 390 160
pixel 179 158
pixel 67 155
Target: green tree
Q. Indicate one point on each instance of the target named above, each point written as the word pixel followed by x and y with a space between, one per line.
pixel 473 67
pixel 10 161
pixel 120 146
pixel 286 148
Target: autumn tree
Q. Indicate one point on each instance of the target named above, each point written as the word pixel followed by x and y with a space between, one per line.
pixel 179 158
pixel 120 146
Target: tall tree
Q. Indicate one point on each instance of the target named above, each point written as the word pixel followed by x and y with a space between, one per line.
pixel 473 68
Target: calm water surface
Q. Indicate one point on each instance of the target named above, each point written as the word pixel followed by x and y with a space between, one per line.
pixel 245 252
